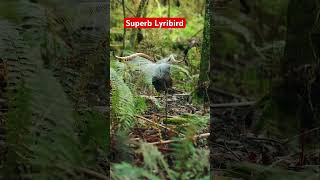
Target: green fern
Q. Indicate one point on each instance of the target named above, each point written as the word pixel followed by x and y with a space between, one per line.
pixel 125 171
pixel 259 172
pixel 42 137
pixel 122 103
pixel 154 161
pixel 190 163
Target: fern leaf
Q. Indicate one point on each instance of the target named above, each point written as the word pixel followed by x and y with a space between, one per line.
pixel 122 102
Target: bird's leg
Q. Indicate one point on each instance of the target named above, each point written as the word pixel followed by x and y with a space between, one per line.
pixel 166 98
pixel 166 110
pixel 302 139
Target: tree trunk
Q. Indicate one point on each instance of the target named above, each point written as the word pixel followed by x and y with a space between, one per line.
pixel 206 67
pixel 207 49
pixel 134 31
pixel 293 92
pixel 124 29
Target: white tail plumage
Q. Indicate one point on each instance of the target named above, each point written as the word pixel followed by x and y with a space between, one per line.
pixel 132 56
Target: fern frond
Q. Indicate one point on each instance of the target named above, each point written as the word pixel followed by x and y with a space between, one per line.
pixel 122 102
pixel 125 171
pixel 190 163
pixel 225 22
pixel 42 135
pixel 154 161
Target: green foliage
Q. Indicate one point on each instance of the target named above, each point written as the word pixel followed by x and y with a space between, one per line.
pixel 275 118
pixel 18 121
pixel 187 121
pixel 125 171
pixel 230 45
pixel 122 102
pixel 257 83
pixel 190 163
pixel 94 131
pixel 180 75
pixel 154 161
pixel 154 164
pixel 276 7
pixel 43 141
pixel 250 80
pixel 140 104
pixel 258 172
pixel 226 23
pixel 8 10
pixel 168 36
pixel 194 59
pixel 128 78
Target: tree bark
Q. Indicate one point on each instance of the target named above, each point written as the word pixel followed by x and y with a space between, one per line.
pixel 207 49
pixel 206 68
pixel 291 94
pixel 124 29
pixel 134 31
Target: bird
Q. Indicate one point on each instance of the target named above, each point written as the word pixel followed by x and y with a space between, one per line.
pixel 162 80
pixel 161 77
pixel 162 84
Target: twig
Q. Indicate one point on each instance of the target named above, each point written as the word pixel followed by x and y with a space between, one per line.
pixel 195 34
pixel 168 8
pixel 223 92
pixel 127 8
pixel 263 139
pixel 219 65
pixel 304 133
pixel 166 97
pixel 124 29
pixel 176 90
pixel 233 105
pixel 228 149
pixel 239 158
pixel 93 173
pixel 160 125
pixel 182 94
pixel 158 115
pixel 179 140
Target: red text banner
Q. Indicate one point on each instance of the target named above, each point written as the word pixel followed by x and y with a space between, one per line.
pixel 154 22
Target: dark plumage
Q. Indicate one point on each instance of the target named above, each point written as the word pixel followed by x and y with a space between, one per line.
pixel 162 83
pixel 139 36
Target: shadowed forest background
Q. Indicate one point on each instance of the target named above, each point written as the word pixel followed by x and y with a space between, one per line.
pixel 53 93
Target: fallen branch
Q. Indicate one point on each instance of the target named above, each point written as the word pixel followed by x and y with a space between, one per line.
pixel 304 133
pixel 182 94
pixel 93 174
pixel 262 139
pixel 221 66
pixel 228 149
pixel 159 115
pixel 131 12
pixel 233 105
pixel 157 124
pixel 132 56
pixel 2 101
pixel 223 92
pixel 194 138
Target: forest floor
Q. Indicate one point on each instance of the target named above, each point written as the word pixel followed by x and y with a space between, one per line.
pixel 233 141
pixel 158 128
